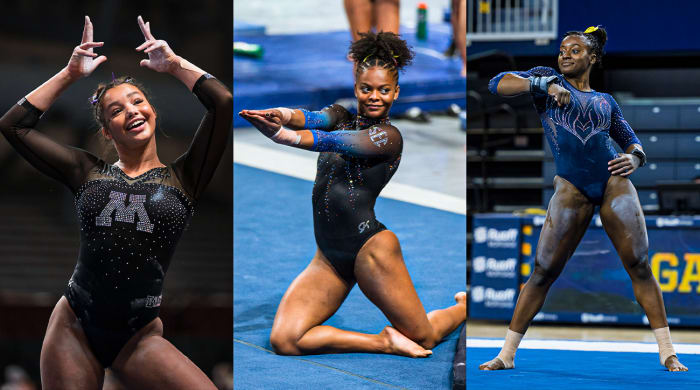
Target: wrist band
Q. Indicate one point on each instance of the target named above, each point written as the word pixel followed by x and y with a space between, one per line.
pixel 640 154
pixel 285 136
pixel 540 85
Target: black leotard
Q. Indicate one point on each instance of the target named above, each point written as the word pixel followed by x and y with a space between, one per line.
pixel 358 157
pixel 129 227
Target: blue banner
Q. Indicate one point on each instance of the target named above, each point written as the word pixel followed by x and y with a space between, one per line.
pixel 594 287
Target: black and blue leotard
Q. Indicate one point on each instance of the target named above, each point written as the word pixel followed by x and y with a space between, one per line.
pixel 580 132
pixel 358 156
pixel 129 226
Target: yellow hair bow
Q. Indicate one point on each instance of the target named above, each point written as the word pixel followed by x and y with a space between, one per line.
pixel 591 29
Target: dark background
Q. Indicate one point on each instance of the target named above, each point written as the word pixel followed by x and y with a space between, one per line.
pixel 38 226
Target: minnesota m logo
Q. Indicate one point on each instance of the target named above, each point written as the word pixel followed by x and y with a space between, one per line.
pixel 125 213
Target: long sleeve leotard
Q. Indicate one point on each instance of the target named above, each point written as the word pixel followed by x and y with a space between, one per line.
pixel 129 226
pixel 580 132
pixel 358 156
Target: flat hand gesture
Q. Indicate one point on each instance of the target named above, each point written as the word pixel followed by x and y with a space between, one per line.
pixel 84 61
pixel 161 57
pixel 266 124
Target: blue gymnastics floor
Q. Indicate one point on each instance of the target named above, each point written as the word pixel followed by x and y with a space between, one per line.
pixel 573 370
pixel 311 71
pixel 273 242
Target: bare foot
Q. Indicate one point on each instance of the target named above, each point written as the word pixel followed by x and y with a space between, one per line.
pixel 461 298
pixel 398 344
pixel 673 364
pixel 493 365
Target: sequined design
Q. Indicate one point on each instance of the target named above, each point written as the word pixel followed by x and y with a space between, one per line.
pixel 357 159
pixel 129 226
pixel 580 133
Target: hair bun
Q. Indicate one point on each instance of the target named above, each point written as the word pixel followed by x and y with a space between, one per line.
pixel 599 33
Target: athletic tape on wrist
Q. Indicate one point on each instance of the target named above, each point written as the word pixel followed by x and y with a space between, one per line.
pixel 285 136
pixel 286 114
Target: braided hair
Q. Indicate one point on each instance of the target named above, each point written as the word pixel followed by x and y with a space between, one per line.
pixel 595 38
pixel 383 49
pixel 102 88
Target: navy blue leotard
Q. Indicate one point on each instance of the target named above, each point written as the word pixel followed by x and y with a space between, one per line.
pixel 129 226
pixel 580 132
pixel 358 156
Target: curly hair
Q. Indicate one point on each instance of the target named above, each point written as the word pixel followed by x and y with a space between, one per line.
pixel 595 40
pixel 383 49
pixel 98 95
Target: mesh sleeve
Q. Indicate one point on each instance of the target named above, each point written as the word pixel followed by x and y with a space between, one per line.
pixel 66 164
pixel 196 167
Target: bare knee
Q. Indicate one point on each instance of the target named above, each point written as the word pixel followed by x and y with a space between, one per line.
pixel 639 268
pixel 284 343
pixel 543 277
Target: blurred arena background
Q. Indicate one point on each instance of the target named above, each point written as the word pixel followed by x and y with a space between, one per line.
pixel 297 59
pixel 649 67
pixel 38 226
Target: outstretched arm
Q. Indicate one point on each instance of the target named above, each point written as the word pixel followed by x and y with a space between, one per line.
pixel 298 119
pixel 65 164
pixel 375 141
pixel 196 167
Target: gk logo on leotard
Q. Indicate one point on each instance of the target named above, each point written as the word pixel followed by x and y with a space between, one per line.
pixel 378 136
pixel 363 226
pixel 125 213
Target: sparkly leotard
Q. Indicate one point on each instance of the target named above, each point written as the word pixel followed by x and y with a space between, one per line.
pixel 129 227
pixel 580 133
pixel 358 157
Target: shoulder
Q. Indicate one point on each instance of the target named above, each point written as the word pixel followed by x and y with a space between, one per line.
pixel 543 71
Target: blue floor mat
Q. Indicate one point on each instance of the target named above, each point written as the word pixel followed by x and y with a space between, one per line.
pixel 573 370
pixel 274 244
pixel 311 71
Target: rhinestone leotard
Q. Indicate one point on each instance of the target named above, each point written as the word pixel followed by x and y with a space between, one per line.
pixel 129 227
pixel 580 133
pixel 358 157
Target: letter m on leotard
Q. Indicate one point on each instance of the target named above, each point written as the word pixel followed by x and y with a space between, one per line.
pixel 125 213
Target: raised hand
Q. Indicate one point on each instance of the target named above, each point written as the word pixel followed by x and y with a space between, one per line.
pixel 161 57
pixel 84 61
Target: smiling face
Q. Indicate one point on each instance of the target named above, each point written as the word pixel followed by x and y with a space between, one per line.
pixel 375 90
pixel 128 118
pixel 575 57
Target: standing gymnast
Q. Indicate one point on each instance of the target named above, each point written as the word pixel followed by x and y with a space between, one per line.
pixel 578 123
pixel 358 156
pixel 131 214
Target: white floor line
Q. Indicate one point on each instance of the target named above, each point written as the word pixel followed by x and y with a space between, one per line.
pixel 577 345
pixel 294 165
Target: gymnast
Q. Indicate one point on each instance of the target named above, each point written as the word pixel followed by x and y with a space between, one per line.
pixel 579 123
pixel 358 155
pixel 131 215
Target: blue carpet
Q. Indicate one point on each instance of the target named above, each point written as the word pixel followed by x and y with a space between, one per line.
pixel 572 370
pixel 273 244
pixel 311 71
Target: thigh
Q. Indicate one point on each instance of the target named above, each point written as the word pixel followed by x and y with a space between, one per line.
pixel 148 361
pixel 314 296
pixel 66 360
pixel 568 215
pixel 623 220
pixel 382 276
pixel 386 15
